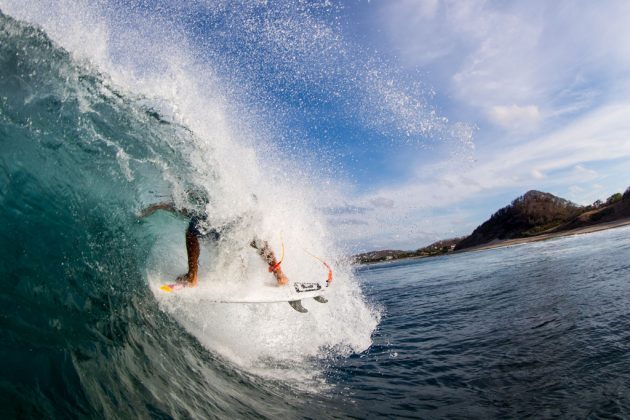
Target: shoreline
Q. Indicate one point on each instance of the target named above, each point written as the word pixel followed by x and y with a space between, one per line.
pixel 518 241
pixel 546 236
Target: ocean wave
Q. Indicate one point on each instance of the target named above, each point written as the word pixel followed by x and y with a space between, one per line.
pixel 83 333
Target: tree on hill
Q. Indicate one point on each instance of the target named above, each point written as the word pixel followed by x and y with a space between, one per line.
pixel 614 198
pixel 528 215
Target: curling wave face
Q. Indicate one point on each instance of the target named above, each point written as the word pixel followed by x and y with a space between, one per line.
pixel 82 332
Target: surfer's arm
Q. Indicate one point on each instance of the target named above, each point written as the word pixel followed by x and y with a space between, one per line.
pixel 148 211
pixel 265 251
pixel 166 206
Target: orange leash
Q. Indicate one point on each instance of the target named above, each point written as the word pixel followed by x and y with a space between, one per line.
pixel 276 266
pixel 330 272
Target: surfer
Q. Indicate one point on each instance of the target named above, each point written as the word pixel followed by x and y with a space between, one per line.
pixel 200 228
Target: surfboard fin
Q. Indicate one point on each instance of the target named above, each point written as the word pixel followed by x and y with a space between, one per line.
pixel 297 305
pixel 320 299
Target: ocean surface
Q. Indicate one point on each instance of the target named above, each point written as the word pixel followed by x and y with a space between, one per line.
pixel 539 330
pixel 535 330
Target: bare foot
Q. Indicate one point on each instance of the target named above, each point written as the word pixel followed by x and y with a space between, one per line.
pixel 282 279
pixel 187 280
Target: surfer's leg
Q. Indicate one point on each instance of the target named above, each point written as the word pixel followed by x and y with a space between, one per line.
pixel 265 251
pixel 193 250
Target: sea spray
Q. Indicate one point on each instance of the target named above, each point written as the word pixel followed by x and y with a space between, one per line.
pixel 119 149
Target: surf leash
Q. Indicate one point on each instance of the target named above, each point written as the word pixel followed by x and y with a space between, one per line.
pixel 275 267
pixel 330 272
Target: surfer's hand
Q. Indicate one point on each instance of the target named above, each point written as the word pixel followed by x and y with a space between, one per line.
pixel 282 279
pixel 145 212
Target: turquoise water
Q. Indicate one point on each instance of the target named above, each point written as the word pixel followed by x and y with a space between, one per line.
pixel 535 330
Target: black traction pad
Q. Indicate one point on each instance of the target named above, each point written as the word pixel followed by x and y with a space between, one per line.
pixel 307 287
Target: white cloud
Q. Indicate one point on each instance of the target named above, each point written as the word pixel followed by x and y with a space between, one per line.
pixel 382 202
pixel 583 172
pixel 489 54
pixel 538 174
pixel 514 117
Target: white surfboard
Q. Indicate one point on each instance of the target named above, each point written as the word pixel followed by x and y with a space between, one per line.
pixel 211 292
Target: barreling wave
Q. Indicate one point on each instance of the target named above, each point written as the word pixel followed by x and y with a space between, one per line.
pixel 82 333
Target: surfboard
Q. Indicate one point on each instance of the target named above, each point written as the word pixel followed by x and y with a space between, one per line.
pixel 292 293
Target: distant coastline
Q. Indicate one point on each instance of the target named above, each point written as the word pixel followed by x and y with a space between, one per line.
pixel 547 236
pixel 535 216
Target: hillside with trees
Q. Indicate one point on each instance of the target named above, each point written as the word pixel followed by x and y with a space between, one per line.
pixel 537 213
pixel 533 214
pixel 616 207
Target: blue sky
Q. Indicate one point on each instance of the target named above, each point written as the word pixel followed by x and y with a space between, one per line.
pixel 423 117
pixel 430 115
